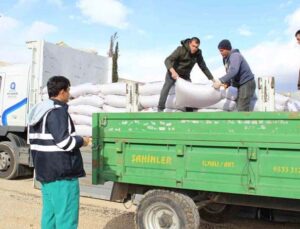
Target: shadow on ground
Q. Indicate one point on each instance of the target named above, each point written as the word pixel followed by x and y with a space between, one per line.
pixel 126 221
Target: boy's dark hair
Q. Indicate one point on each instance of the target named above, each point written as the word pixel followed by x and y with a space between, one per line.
pixel 57 83
pixel 297 33
pixel 196 39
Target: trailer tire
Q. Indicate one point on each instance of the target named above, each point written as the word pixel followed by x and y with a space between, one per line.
pixel 167 209
pixel 8 160
pixel 217 213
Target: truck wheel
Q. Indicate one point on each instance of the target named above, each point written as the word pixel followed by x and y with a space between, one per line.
pixel 167 209
pixel 8 161
pixel 216 213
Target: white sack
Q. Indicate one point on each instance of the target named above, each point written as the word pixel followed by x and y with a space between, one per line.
pixel 81 119
pixel 172 110
pixel 281 100
pixel 209 110
pixel 150 109
pixel 101 95
pixel 107 108
pixel 115 100
pixel 198 96
pixel 83 130
pixel 224 104
pixel 296 104
pixel 84 89
pixel 291 106
pixel 45 90
pixel 113 89
pixel 147 101
pixel 151 88
pixel 45 97
pixel 154 88
pixel 84 110
pixel 280 107
pixel 231 93
pixel 92 100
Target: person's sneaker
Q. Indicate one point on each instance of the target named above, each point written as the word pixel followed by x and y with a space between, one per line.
pixel 160 110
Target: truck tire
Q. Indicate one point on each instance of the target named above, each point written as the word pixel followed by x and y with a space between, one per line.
pixel 167 209
pixel 8 161
pixel 217 213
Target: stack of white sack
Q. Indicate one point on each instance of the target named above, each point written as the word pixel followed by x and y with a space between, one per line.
pixel 282 103
pixel 85 99
pixel 293 105
pixel 149 95
pixel 114 97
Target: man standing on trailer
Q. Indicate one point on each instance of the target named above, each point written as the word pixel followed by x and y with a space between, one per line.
pixel 56 156
pixel 238 74
pixel 297 35
pixel 180 64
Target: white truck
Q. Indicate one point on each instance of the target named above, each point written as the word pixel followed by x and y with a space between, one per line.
pixel 21 88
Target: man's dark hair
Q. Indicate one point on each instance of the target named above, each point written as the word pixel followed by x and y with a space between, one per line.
pixel 297 33
pixel 57 83
pixel 196 39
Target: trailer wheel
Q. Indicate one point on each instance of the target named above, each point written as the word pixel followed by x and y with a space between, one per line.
pixel 8 161
pixel 217 213
pixel 167 209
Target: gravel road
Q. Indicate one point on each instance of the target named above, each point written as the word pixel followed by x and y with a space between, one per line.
pixel 21 208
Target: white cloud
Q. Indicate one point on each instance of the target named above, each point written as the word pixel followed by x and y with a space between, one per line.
pixel 285 4
pixel 27 3
pixel 143 65
pixel 244 31
pixel 57 3
pixel 8 23
pixel 293 22
pixel 277 59
pixel 39 29
pixel 141 32
pixel 148 66
pixel 107 12
pixel 208 37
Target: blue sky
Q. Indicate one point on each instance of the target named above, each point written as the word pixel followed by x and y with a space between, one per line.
pixel 148 31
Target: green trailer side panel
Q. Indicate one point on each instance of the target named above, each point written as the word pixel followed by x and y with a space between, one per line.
pixel 242 153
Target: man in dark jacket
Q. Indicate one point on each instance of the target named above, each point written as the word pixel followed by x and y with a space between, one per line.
pixel 180 64
pixel 56 156
pixel 297 35
pixel 238 74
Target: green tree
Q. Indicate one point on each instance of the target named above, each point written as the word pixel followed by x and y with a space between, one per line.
pixel 115 74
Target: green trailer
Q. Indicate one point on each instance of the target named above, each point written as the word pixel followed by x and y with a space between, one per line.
pixel 186 164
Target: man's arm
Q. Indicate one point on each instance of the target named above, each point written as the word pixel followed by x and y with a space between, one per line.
pixel 170 60
pixel 202 65
pixel 58 125
pixel 234 67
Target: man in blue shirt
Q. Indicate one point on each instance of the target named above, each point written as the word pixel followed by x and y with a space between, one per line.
pixel 238 74
pixel 56 156
pixel 297 35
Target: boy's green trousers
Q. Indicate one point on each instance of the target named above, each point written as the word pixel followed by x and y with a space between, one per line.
pixel 60 204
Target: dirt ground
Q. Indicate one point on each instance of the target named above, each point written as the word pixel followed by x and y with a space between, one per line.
pixel 21 209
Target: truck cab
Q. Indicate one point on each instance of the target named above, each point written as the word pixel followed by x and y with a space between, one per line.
pixel 21 87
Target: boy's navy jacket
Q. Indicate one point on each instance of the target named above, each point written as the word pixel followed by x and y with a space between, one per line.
pixel 53 143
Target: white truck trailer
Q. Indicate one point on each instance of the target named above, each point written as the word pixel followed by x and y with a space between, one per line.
pixel 21 88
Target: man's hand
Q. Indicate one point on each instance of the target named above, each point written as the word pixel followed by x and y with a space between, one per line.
pixel 174 74
pixel 86 141
pixel 226 85
pixel 217 84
